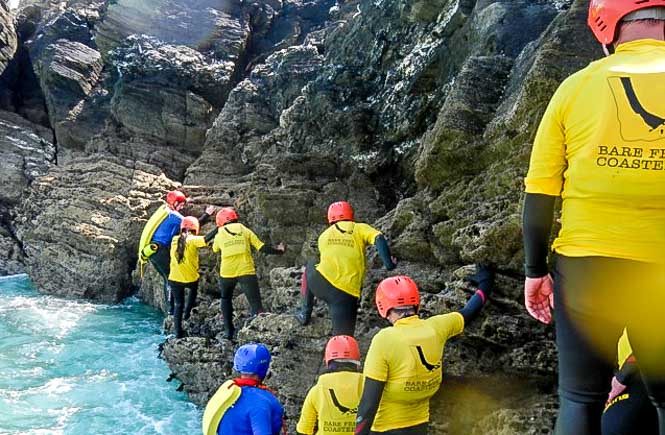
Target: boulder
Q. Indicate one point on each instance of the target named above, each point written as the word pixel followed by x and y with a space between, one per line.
pixel 28 153
pixel 219 29
pixel 79 225
pixel 68 72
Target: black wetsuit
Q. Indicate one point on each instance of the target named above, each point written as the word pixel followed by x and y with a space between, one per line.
pixel 249 285
pixel 178 293
pixel 585 371
pixel 342 306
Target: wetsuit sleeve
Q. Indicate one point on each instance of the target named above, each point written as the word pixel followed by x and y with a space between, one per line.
pixel 211 235
pixel 308 415
pixel 548 155
pixel 472 308
pixel 483 279
pixel 369 405
pixel 536 228
pixel 265 249
pixel 204 218
pixel 384 252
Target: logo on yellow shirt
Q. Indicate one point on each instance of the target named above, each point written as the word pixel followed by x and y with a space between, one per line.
pixel 425 363
pixel 636 104
pixel 343 409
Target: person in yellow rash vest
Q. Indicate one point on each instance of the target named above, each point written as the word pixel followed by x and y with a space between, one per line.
pixel 184 269
pixel 403 368
pixel 600 147
pixel 234 242
pixel 338 277
pixel 331 405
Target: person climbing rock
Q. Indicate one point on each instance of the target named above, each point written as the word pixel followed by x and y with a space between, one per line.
pixel 245 406
pixel 331 405
pixel 184 270
pixel 403 368
pixel 338 277
pixel 235 242
pixel 599 147
pixel 628 409
pixel 157 234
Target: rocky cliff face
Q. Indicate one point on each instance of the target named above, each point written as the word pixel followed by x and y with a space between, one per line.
pixel 420 112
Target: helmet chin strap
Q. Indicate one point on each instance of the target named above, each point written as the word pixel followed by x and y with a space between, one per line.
pixel 605 50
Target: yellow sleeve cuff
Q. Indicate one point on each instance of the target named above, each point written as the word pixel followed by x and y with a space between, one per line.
pixel 545 186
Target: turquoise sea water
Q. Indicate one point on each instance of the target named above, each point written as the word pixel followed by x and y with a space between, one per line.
pixel 72 367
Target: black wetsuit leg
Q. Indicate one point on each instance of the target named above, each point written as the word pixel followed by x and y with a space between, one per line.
pixel 584 374
pixel 226 286
pixel 308 299
pixel 342 306
pixel 162 262
pixel 250 286
pixel 420 429
pixel 178 293
pixel 631 412
pixel 649 350
pixel 595 298
pixel 191 298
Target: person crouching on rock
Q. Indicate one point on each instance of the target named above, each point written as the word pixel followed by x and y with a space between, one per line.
pixel 235 242
pixel 331 404
pixel 403 368
pixel 256 411
pixel 339 275
pixel 157 234
pixel 184 269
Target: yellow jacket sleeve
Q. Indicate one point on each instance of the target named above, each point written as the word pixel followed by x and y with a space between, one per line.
pixel 376 364
pixel 369 233
pixel 199 241
pixel 548 156
pixel 254 240
pixel 215 244
pixel 308 415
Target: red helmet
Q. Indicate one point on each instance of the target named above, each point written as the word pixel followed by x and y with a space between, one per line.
pixel 190 223
pixel 604 15
pixel 342 347
pixel 396 291
pixel 340 211
pixel 226 215
pixel 174 197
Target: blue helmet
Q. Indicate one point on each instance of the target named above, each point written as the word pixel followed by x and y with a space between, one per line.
pixel 252 358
